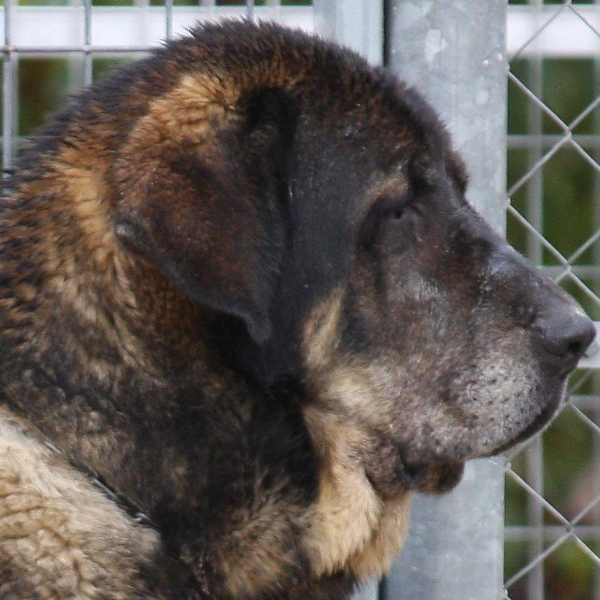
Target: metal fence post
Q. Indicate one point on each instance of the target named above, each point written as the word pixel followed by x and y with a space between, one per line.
pixel 453 51
pixel 357 24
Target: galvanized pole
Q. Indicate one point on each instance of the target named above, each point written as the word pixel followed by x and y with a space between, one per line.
pixel 453 51
pixel 357 24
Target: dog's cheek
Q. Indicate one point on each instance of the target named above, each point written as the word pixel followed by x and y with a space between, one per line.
pixel 501 394
pixel 452 381
pixel 384 302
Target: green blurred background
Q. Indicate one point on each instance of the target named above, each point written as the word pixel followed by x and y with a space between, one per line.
pixel 562 199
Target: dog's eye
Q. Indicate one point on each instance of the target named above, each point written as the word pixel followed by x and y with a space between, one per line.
pixel 387 223
pixel 398 225
pixel 392 208
pixel 393 214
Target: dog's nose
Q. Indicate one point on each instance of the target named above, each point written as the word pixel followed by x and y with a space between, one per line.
pixel 563 336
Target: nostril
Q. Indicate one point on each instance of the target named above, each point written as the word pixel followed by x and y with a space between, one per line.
pixel 575 348
pixel 565 336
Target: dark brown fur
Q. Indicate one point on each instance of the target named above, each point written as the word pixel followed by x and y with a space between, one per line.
pixel 241 287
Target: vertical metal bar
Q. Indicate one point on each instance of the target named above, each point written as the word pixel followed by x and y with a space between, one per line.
pixel 535 513
pixel 169 19
pixel 75 61
pixel 88 65
pixel 535 186
pixel 534 460
pixel 596 281
pixel 455 543
pixel 596 490
pixel 9 94
pixel 367 592
pixel 454 52
pixel 357 24
pixel 250 9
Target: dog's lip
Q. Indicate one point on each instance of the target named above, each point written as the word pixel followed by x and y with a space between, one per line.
pixel 539 424
pixel 390 474
pixel 437 477
pixel 432 476
pixel 413 474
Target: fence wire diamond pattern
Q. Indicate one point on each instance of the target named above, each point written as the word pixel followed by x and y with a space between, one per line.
pixel 552 488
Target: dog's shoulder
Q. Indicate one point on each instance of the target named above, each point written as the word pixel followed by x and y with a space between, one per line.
pixel 61 535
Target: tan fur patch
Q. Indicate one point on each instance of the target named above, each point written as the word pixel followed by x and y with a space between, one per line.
pixel 85 281
pixel 375 558
pixel 258 555
pixel 200 104
pixel 63 536
pixel 320 333
pixel 354 528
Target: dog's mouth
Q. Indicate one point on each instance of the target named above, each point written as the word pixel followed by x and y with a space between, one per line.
pixel 392 475
pixel 392 469
pixel 434 477
pixel 540 423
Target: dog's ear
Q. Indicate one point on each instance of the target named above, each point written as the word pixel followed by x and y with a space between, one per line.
pixel 212 215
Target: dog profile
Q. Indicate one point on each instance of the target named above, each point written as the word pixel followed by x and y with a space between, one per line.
pixel 245 311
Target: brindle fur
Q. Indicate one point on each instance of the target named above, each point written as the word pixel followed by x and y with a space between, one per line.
pixel 242 289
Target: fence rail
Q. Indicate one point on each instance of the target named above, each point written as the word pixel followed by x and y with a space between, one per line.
pixel 59 29
pixel 42 30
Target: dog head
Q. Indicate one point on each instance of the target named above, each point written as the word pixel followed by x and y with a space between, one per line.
pixel 315 206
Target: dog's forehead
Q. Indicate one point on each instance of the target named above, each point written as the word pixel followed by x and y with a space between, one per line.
pixel 378 125
pixel 381 154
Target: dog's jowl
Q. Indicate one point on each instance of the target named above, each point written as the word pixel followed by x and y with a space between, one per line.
pixel 243 294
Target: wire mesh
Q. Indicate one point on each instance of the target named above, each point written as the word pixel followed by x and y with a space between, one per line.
pixel 552 528
pixel 54 47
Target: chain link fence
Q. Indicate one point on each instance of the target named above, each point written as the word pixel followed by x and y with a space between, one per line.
pixel 552 528
pixel 552 493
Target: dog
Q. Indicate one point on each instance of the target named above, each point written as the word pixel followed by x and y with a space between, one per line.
pixel 245 311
